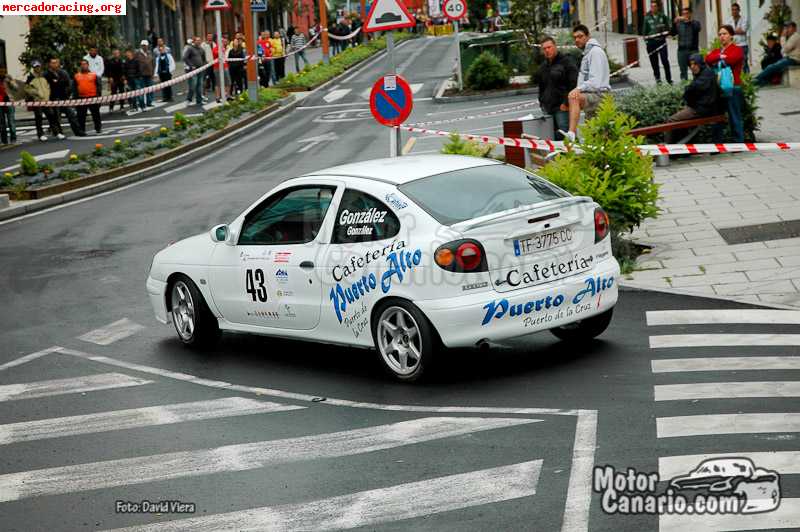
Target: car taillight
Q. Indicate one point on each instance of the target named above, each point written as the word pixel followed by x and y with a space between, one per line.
pixel 463 256
pixel 601 224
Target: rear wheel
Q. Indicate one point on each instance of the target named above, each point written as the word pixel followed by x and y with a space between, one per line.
pixel 584 330
pixel 405 340
pixel 194 322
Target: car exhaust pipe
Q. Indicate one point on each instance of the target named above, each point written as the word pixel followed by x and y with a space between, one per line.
pixel 483 345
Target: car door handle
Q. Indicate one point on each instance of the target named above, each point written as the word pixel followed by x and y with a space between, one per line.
pixel 306 264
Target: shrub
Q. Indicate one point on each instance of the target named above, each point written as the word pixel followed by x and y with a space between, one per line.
pixel 459 146
pixel 7 179
pixel 486 73
pixel 28 163
pixel 750 118
pixel 651 105
pixel 609 168
pixel 180 121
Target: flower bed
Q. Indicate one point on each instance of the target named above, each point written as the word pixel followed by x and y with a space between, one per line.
pixel 34 181
pixel 313 76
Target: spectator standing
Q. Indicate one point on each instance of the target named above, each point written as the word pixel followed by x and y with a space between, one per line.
pixel 60 89
pixel 555 13
pixel 593 79
pixel 225 73
pixel 37 89
pixel 688 32
pixel 194 58
pixel 298 47
pixel 731 55
pixel 791 55
pixel 165 66
pixel 655 24
pixel 86 87
pixel 115 72
pixel 8 128
pixel 210 82
pixel 236 56
pixel 264 50
pixel 133 78
pixel 566 14
pixel 556 77
pixel 279 58
pixel 146 70
pixel 701 96
pixel 96 65
pixel 740 29
pixel 159 43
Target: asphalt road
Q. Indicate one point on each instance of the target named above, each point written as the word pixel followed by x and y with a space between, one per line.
pixel 312 436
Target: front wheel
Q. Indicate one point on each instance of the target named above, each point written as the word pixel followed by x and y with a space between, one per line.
pixel 194 322
pixel 584 330
pixel 405 340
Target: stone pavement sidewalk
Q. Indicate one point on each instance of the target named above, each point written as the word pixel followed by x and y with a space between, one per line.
pixel 705 193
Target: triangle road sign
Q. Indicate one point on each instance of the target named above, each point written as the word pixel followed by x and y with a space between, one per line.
pixel 216 5
pixel 388 15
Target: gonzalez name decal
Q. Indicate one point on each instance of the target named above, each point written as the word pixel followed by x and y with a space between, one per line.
pixel 400 263
pixel 372 216
pixel 500 309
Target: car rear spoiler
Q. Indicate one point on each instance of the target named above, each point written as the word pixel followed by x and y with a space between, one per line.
pixel 524 210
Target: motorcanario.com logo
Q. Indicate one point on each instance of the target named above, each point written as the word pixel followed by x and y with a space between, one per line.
pixel 731 485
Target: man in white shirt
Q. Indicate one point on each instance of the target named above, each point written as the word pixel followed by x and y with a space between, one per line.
pixel 740 37
pixel 96 65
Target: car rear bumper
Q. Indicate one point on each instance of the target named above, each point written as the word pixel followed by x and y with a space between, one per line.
pixel 494 316
pixel 155 291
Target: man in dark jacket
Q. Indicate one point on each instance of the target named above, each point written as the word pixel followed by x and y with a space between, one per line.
pixel 61 89
pixel 701 96
pixel 688 32
pixel 194 58
pixel 133 77
pixel 556 77
pixel 115 72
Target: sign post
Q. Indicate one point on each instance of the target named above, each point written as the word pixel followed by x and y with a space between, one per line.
pixel 455 11
pixel 256 7
pixel 388 15
pixel 216 6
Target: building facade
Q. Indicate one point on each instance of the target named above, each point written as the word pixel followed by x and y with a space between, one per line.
pixel 13 34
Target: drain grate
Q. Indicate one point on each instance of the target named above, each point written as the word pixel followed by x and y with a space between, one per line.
pixel 760 232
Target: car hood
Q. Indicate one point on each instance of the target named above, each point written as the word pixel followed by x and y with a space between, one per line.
pixel 194 250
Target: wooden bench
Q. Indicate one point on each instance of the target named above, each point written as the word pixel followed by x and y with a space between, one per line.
pixel 692 125
pixel 791 77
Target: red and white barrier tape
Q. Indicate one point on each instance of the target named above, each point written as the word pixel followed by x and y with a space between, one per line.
pixel 656 35
pixel 343 37
pixel 631 65
pixel 534 144
pixel 77 102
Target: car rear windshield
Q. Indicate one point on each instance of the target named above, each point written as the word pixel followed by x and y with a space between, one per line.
pixel 453 197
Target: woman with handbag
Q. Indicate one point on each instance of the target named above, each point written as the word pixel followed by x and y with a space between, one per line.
pixel 728 60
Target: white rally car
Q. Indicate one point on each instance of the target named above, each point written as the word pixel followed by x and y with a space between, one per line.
pixel 401 254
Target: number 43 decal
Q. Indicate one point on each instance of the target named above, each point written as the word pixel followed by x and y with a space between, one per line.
pixel 254 284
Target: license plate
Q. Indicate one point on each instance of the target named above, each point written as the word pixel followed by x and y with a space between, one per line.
pixel 543 241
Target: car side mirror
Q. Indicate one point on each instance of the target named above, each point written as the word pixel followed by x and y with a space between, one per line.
pixel 219 233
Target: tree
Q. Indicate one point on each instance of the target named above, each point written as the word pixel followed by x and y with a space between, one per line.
pixel 68 39
pixel 530 17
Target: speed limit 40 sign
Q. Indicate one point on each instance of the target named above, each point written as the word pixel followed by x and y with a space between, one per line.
pixel 455 9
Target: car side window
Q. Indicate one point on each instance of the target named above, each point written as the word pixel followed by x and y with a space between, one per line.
pixel 363 218
pixel 292 216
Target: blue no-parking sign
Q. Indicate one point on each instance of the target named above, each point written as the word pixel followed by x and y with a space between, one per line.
pixel 390 100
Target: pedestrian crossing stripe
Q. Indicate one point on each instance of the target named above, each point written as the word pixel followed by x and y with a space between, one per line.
pixel 48 388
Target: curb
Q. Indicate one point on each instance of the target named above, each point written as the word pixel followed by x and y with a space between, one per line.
pixel 132 177
pixel 633 285
pixel 153 171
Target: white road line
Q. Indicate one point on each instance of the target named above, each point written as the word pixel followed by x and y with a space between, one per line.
pixel 415 87
pixel 177 107
pixel 336 94
pixel 373 507
pixel 579 491
pixel 787 515
pixel 726 390
pixel 102 381
pixel 42 157
pixel 241 457
pixel 349 104
pixel 413 57
pixel 136 418
pixel 702 425
pixel 211 105
pixel 365 93
pixel 112 332
pixel 675 365
pixel 784 462
pixel 28 358
pixel 722 340
pixel 711 316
